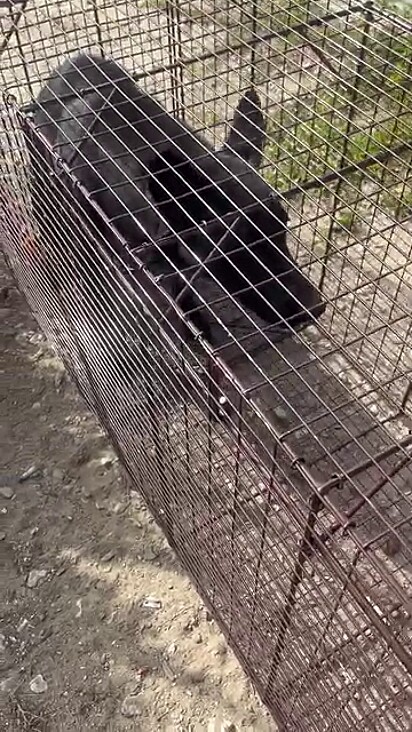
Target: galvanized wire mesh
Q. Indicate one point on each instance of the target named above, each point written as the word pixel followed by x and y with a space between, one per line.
pixel 290 502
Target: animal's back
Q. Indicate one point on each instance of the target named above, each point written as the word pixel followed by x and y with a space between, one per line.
pixel 89 113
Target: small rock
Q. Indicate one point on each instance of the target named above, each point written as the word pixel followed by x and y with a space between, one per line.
pixel 198 638
pixel 45 633
pixel 106 460
pixel 108 556
pixel 196 675
pixel 21 626
pixel 35 576
pixel 2 642
pixel 150 554
pixel 3 510
pixel 281 414
pixel 105 661
pixel 172 649
pixel 7 685
pixel 36 406
pixel 2 535
pixel 130 706
pixel 152 603
pixel 312 332
pixel 36 337
pixel 119 508
pixel 221 649
pixel 6 491
pixel 38 685
pixel 29 473
pixel 392 546
pixel 168 670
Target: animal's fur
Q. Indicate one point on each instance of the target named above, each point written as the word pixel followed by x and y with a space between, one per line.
pixel 136 161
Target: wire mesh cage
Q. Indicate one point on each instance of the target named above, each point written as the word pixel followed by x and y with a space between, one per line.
pixel 257 390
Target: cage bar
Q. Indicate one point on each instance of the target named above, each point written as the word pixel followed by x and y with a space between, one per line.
pixel 276 459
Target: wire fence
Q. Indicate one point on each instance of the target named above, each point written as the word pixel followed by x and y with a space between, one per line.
pixel 257 390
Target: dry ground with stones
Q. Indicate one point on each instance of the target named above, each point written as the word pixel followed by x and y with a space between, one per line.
pixel 100 627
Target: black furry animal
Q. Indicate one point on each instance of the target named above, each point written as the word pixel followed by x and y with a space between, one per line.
pixel 153 178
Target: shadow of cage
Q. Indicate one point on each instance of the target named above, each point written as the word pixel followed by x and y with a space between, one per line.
pixel 277 463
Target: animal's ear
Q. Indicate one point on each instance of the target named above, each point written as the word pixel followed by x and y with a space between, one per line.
pixel 247 131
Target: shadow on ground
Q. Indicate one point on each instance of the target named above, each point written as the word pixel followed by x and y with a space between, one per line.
pixel 78 532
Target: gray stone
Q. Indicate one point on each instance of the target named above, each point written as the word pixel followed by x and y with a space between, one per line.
pixel 32 471
pixel 107 459
pixel 108 556
pixel 35 576
pixel 38 685
pixel 8 684
pixel 130 706
pixel 21 626
pixel 152 602
pixel 119 508
pixel 58 475
pixel 6 491
pixel 281 414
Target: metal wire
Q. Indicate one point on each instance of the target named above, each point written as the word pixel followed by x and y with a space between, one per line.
pixel 276 458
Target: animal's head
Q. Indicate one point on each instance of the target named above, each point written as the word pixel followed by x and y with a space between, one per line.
pixel 244 219
pixel 289 295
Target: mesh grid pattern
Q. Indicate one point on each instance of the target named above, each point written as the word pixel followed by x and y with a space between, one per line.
pixel 288 500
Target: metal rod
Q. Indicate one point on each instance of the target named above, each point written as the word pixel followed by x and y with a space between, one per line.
pixel 306 548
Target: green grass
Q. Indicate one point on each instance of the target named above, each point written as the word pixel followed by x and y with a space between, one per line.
pixel 313 136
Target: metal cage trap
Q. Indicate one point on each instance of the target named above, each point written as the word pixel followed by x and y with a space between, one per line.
pixel 257 389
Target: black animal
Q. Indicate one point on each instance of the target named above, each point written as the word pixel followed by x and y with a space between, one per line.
pixel 149 177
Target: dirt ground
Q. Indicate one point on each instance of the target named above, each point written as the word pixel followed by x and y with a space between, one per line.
pixel 80 558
